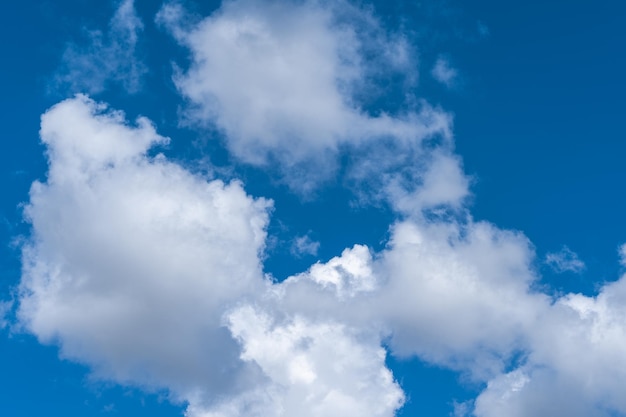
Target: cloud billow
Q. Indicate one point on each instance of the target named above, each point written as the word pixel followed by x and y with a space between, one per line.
pixel 108 58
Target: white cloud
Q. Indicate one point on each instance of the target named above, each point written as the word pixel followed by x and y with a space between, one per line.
pixel 304 245
pixel 444 73
pixel 152 276
pixel 576 365
pixel 133 260
pixel 565 260
pixel 109 57
pixel 455 295
pixel 344 276
pixel 460 296
pixel 440 181
pixel 312 369
pixel 281 81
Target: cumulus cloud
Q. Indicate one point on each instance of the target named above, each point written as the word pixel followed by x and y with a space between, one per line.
pixel 565 260
pixel 149 274
pixel 455 295
pixel 313 369
pixel 282 81
pixel 342 277
pixel 153 276
pixel 576 366
pixel 132 259
pixel 109 57
pixel 444 72
pixel 460 295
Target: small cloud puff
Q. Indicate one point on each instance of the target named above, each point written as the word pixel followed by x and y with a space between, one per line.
pixel 565 260
pixel 304 245
pixel 444 72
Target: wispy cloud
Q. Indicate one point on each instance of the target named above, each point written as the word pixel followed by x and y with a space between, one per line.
pixel 304 245
pixel 108 57
pixel 565 260
pixel 444 72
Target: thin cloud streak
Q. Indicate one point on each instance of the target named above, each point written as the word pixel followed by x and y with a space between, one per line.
pixel 110 57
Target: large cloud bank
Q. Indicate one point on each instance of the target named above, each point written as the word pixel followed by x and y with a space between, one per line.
pixel 153 275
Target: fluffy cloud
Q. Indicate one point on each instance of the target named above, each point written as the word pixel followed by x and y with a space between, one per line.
pixel 153 276
pixel 144 271
pixel 109 57
pixel 282 81
pixel 132 259
pixel 458 295
pixel 576 364
pixel 313 370
pixel 565 260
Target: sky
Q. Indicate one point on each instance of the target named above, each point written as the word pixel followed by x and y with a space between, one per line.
pixel 312 208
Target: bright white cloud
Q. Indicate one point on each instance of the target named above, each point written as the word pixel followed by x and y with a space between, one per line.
pixel 565 260
pixel 343 276
pixel 133 260
pixel 109 57
pixel 460 296
pixel 576 365
pixel 313 370
pixel 444 72
pixel 281 80
pixel 455 295
pixel 152 276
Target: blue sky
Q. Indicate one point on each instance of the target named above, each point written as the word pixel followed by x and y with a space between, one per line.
pixel 312 208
